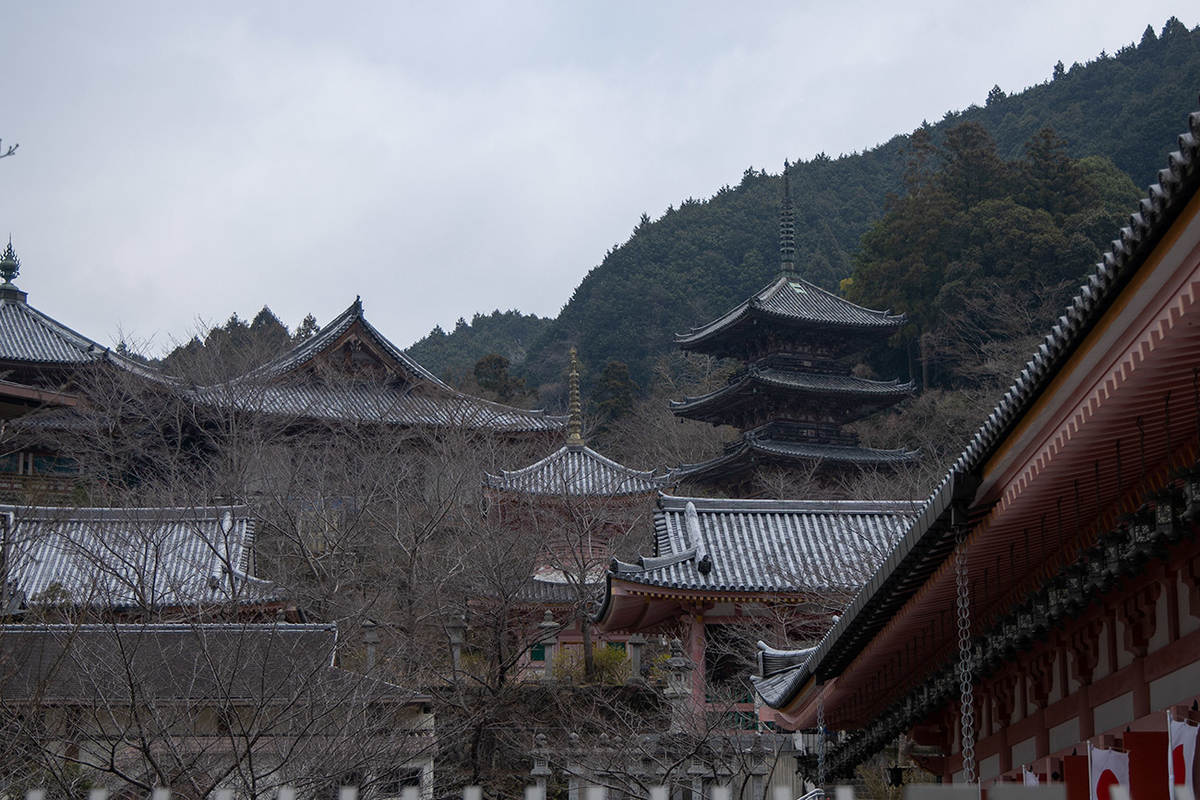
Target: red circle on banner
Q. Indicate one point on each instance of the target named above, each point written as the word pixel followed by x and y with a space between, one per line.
pixel 1178 767
pixel 1104 783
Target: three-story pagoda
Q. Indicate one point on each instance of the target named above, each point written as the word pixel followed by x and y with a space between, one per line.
pixel 795 392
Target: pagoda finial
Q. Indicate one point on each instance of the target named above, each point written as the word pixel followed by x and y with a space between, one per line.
pixel 10 265
pixel 787 227
pixel 574 407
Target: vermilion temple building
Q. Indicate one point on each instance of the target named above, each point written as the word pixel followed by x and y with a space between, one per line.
pixel 1068 527
pixel 795 391
pixel 726 572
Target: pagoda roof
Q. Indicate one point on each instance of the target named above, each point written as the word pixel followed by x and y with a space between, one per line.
pixel 764 547
pixel 119 558
pixel 394 389
pixel 577 470
pixel 759 444
pixel 792 300
pixel 878 394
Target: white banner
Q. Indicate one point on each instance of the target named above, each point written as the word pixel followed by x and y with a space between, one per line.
pixel 1030 778
pixel 1107 768
pixel 1181 753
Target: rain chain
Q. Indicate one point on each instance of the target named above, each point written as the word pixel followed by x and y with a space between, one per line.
pixel 821 739
pixel 965 658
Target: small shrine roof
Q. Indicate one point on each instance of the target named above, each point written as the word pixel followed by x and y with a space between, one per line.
pixel 148 558
pixel 577 470
pixel 793 300
pixel 766 546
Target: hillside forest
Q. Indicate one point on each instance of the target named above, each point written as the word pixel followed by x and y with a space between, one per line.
pixel 978 227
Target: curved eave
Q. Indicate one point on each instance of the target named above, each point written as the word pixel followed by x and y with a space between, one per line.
pixel 871 396
pixel 632 606
pixel 746 456
pixel 759 306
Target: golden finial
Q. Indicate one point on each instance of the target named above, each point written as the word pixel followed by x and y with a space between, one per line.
pixel 574 408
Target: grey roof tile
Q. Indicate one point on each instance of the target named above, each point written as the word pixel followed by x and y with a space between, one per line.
pixel 577 471
pixel 134 558
pixel 768 545
pixel 792 299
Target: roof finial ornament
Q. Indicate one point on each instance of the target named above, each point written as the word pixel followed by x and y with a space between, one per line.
pixel 10 265
pixel 574 407
pixel 787 227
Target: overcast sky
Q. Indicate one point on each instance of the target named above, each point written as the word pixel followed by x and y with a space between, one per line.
pixel 182 161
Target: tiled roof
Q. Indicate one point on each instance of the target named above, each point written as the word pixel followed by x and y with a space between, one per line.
pixel 539 590
pixel 381 402
pixel 27 334
pixel 1177 185
pixel 758 444
pixel 777 671
pixel 207 663
pixel 306 351
pixel 808 383
pixel 148 558
pixel 794 300
pixel 580 471
pixel 772 546
pixel 408 395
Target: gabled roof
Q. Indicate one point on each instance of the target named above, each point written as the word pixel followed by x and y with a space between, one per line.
pixel 792 546
pixel 577 470
pixel 794 301
pixel 305 353
pixel 761 445
pixel 293 385
pixel 122 558
pixel 867 396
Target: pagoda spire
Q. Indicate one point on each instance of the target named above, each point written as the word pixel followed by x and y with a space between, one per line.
pixel 787 228
pixel 574 407
pixel 10 265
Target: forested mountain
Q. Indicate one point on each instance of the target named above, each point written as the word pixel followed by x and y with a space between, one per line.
pixel 451 355
pixel 697 260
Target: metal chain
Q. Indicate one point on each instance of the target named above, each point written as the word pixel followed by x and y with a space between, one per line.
pixel 821 739
pixel 965 658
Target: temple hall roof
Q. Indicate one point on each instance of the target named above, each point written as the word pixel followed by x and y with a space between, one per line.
pixel 792 546
pixel 149 558
pixel 791 300
pixel 28 336
pixel 349 371
pixel 577 470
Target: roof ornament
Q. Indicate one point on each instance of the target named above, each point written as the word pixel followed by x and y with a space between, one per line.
pixel 692 520
pixel 574 407
pixel 787 227
pixel 10 265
